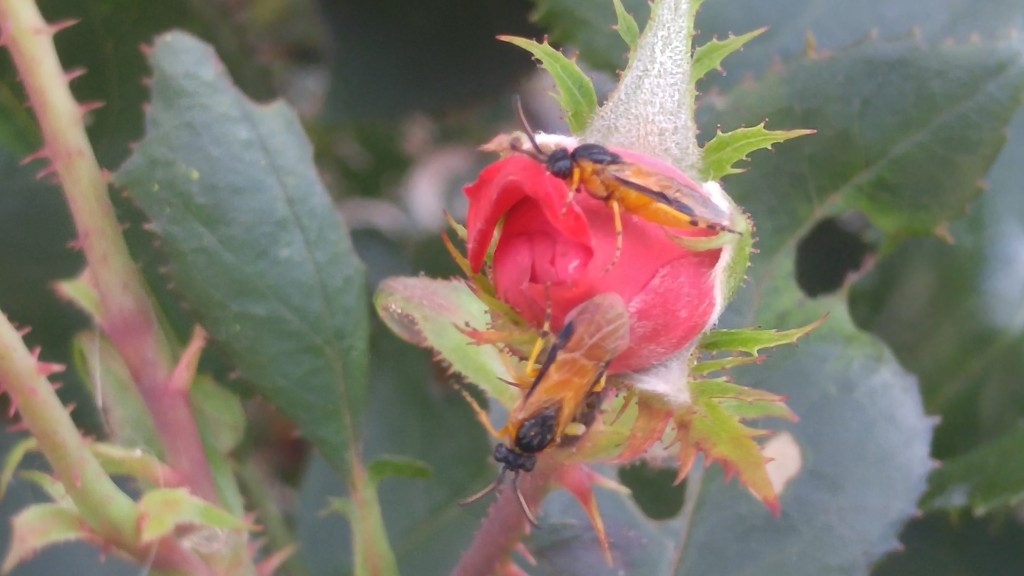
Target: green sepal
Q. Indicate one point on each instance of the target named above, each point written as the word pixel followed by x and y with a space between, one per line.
pixel 726 149
pixel 40 526
pixel 626 26
pixel 164 509
pixel 576 92
pixel 752 341
pixel 709 56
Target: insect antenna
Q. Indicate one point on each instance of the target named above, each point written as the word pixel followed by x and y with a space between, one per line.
pixel 487 490
pixel 522 502
pixel 537 154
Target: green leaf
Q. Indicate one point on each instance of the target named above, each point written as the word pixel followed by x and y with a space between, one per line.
pixel 82 293
pixel 985 479
pixel 952 314
pixel 219 413
pixel 945 545
pixel 717 431
pixel 626 25
pixel 13 460
pixel 576 92
pixel 586 25
pixel 832 25
pixel 397 466
pixel 54 489
pixel 164 509
pixel 753 341
pixel 887 115
pixel 861 451
pixel 132 462
pixel 720 156
pixel 430 313
pixel 414 412
pixel 40 526
pixel 256 247
pixel 709 56
pixel 113 389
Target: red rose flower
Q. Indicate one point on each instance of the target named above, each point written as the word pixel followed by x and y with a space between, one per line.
pixel 673 294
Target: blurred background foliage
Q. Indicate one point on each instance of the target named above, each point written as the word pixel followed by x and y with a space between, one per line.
pixel 395 96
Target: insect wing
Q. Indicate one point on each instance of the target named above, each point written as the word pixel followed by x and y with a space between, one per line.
pixel 669 192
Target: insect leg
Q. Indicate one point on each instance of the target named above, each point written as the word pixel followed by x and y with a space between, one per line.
pixel 522 502
pixel 617 214
pixel 545 332
pixel 487 490
pixel 480 413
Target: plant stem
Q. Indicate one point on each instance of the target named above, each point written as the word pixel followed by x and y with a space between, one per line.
pixel 259 495
pixel 372 551
pixel 105 508
pixel 127 317
pixel 506 525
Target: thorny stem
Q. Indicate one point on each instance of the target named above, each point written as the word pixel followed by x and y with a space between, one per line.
pixel 127 315
pixel 105 508
pixel 506 524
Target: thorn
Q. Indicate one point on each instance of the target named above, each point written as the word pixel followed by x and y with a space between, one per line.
pixel 48 171
pixel 62 25
pixel 525 553
pixel 72 75
pixel 18 427
pixel 46 369
pixel 70 407
pixel 146 81
pixel 87 107
pixel 24 331
pixel 106 176
pixel 76 244
pixel 12 409
pixel 37 155
pixel 146 49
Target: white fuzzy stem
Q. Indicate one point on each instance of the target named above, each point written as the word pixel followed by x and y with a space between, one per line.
pixel 651 111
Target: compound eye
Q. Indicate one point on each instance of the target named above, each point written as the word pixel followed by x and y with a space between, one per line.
pixel 560 164
pixel 502 455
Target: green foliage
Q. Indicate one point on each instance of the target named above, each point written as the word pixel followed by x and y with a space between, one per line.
pixel 240 227
pixel 397 466
pixel 40 526
pixel 575 90
pixel 587 25
pixel 905 134
pixel 626 25
pixel 725 150
pixel 753 341
pixel 164 509
pixel 709 56
pixel 988 478
pixel 433 313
